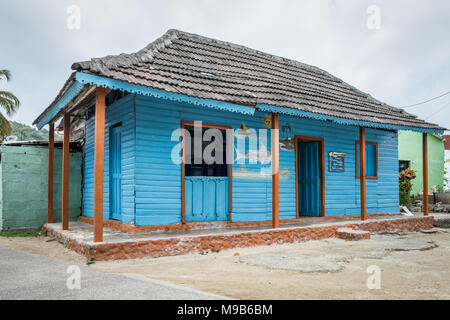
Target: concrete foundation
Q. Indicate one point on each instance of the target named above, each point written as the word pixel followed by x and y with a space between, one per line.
pixel 120 245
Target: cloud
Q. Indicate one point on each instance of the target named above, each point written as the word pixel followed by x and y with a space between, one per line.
pixel 406 61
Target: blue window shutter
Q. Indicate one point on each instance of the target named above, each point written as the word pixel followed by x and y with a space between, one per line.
pixel 371 160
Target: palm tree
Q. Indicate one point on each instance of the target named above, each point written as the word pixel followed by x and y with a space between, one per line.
pixel 9 103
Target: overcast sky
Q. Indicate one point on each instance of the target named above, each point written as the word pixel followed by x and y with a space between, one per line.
pixel 404 61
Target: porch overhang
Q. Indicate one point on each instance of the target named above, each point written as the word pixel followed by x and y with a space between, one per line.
pixel 49 115
pixel 343 121
pixel 82 80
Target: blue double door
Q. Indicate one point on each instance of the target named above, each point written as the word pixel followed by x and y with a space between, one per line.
pixel 308 178
pixel 115 172
pixel 206 198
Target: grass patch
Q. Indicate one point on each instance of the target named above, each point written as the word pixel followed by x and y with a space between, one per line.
pixel 22 233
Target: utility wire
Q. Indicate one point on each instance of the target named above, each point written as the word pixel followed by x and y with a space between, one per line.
pixel 418 104
pixel 437 111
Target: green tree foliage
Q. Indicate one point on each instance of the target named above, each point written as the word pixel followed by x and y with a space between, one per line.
pixel 25 132
pixel 8 102
pixel 405 186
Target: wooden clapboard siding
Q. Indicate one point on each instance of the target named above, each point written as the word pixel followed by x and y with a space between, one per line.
pixel 158 180
pixel 149 173
pixel 342 192
pixel 122 112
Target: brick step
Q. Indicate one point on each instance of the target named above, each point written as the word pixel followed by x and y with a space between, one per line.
pixel 352 235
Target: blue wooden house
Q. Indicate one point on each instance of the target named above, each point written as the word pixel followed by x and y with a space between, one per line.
pixel 294 133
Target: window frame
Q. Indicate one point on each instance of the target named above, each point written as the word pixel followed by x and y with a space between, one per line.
pixel 229 131
pixel 408 166
pixel 204 167
pixel 357 160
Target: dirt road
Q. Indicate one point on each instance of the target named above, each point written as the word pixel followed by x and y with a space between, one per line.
pixel 412 265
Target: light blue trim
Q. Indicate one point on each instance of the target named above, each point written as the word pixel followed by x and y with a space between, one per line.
pixel 85 78
pixel 71 93
pixel 316 116
pixel 133 88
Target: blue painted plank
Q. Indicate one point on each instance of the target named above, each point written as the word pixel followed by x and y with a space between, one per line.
pixel 148 171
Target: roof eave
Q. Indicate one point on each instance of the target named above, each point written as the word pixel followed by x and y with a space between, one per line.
pixel 345 121
pixel 81 79
pixel 50 113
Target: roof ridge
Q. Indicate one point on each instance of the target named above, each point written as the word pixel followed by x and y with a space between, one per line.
pixel 127 59
pixel 242 47
pixel 292 62
pixel 147 53
pixel 169 47
pixel 173 34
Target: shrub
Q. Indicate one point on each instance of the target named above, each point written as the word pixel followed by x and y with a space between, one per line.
pixel 405 186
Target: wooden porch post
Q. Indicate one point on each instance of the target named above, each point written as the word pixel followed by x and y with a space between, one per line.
pixel 183 174
pixel 425 173
pixel 51 152
pixel 362 174
pixel 275 172
pixel 65 174
pixel 99 163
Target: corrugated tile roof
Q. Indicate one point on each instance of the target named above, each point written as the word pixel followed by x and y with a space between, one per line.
pixel 202 67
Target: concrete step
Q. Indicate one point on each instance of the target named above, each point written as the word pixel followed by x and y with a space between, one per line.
pixel 442 220
pixel 352 235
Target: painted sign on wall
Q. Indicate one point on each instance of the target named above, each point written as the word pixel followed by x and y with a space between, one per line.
pixel 336 162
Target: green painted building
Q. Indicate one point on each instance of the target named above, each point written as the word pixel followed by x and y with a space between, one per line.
pixel 410 156
pixel 24 182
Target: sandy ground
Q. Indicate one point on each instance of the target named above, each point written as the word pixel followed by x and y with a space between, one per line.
pixel 43 246
pixel 413 266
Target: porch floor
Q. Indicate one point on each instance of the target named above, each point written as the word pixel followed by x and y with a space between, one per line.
pixel 85 231
pixel 122 245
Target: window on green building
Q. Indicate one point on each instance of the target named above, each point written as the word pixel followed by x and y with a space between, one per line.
pixel 403 165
